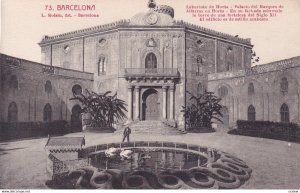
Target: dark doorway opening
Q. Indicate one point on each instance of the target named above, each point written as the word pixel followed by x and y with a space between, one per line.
pixel 150 106
pixel 76 125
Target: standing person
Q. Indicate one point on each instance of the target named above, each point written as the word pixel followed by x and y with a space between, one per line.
pixel 126 133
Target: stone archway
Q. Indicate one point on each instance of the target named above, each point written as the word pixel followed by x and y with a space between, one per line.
pixel 76 124
pixel 150 106
pixel 225 118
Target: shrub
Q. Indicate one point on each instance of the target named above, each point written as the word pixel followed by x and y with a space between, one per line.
pixel 19 130
pixel 105 110
pixel 202 110
pixel 267 129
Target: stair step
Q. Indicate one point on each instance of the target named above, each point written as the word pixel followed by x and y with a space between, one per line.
pixel 148 127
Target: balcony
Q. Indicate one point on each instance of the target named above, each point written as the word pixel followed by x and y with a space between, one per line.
pixel 151 72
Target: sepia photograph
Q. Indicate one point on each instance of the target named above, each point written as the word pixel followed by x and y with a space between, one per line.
pixel 150 94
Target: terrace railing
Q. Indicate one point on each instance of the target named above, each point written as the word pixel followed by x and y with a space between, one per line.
pixel 153 72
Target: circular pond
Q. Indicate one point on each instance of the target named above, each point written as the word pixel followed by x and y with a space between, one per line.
pixel 152 160
pixel 159 165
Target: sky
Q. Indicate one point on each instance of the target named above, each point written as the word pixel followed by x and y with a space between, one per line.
pixel 22 26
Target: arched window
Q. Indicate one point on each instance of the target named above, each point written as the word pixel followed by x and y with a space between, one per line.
pixel 102 65
pixel 76 89
pixel 284 85
pixel 48 86
pixel 284 113
pixel 223 91
pixel 150 61
pixel 12 112
pixel 200 89
pixel 251 113
pixel 199 65
pixel 47 113
pixel 250 88
pixel 13 82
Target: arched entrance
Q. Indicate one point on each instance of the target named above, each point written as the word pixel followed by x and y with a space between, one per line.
pixel 225 118
pixel 150 106
pixel 47 113
pixel 12 112
pixel 76 124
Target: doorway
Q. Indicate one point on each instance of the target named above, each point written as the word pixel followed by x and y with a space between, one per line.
pixel 76 125
pixel 225 118
pixel 150 106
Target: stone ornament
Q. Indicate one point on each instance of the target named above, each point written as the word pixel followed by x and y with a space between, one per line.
pixel 152 19
pixel 102 42
pixel 151 43
pixel 67 49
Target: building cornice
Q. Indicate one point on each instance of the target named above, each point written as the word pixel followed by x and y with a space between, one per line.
pixel 211 32
pixel 42 69
pixel 83 32
pixel 125 25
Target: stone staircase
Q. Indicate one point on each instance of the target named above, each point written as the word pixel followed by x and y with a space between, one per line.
pixel 152 127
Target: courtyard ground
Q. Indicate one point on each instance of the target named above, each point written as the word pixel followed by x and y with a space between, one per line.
pixel 275 164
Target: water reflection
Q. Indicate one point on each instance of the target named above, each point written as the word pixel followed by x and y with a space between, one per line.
pixel 155 161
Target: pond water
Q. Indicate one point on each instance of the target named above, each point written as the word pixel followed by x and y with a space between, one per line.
pixel 150 165
pixel 154 161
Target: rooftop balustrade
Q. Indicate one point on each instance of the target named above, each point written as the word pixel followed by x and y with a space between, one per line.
pixel 151 72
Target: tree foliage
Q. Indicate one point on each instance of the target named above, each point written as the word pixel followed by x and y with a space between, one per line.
pixel 105 109
pixel 202 110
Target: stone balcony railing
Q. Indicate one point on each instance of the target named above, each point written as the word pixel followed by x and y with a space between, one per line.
pixel 150 72
pixel 259 69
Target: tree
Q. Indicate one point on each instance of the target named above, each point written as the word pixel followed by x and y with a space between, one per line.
pixel 202 110
pixel 105 109
pixel 254 58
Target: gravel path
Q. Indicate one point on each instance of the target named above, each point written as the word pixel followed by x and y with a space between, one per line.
pixel 275 164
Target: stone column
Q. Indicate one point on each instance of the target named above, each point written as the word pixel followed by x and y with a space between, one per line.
pixel 243 56
pixel 298 97
pixel 137 103
pixel 164 113
pixel 216 55
pixel 172 102
pixel 130 102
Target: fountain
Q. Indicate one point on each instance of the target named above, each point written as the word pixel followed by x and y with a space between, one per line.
pixel 155 165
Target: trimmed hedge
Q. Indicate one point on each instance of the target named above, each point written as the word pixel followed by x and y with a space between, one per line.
pixel 20 130
pixel 267 129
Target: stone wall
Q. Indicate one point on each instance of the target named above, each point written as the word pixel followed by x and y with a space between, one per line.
pixel 267 97
pixel 30 94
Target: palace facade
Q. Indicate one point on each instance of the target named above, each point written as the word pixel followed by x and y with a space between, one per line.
pixel 151 61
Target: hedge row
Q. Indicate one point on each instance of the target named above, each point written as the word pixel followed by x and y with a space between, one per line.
pixel 267 129
pixel 265 135
pixel 32 129
pixel 268 126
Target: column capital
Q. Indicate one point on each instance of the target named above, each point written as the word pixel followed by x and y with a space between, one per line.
pixel 137 87
pixel 130 87
pixel 165 87
pixel 172 88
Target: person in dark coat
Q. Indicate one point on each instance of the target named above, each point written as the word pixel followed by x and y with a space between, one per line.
pixel 126 133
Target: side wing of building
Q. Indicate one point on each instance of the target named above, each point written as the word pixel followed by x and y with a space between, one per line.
pixel 32 92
